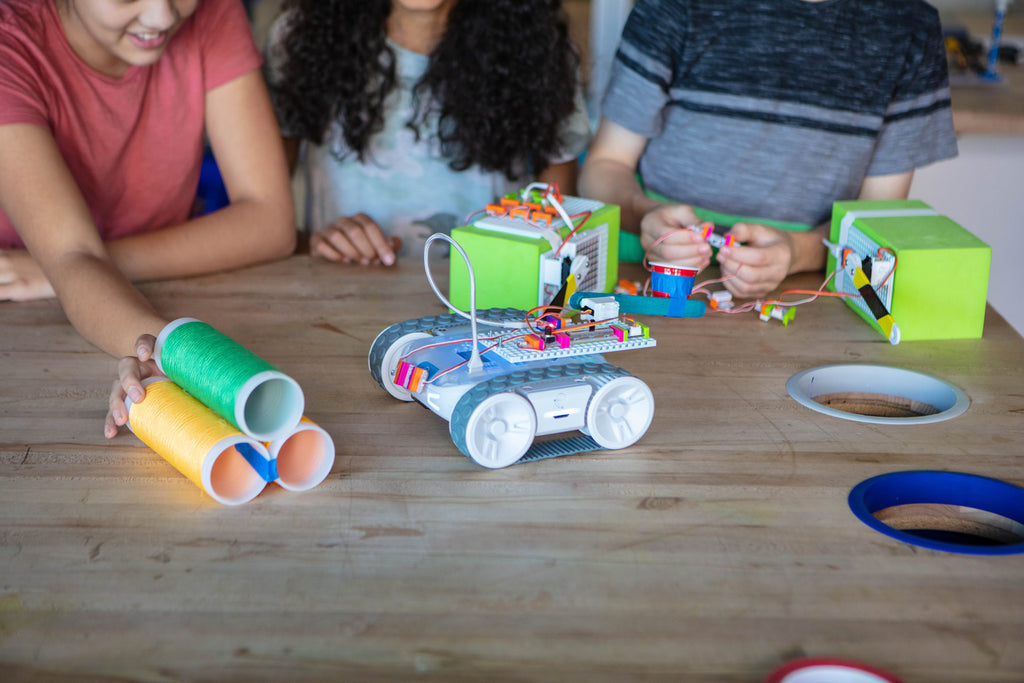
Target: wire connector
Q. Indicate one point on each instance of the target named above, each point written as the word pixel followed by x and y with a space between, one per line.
pixel 783 313
pixel 720 300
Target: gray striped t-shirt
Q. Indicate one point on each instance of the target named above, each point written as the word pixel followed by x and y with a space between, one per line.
pixel 777 108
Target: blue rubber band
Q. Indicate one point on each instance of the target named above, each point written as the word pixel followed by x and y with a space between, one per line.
pixel 267 469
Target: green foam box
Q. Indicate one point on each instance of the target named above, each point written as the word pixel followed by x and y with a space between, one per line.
pixel 939 286
pixel 514 261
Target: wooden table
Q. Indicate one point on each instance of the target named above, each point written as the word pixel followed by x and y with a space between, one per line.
pixel 717 548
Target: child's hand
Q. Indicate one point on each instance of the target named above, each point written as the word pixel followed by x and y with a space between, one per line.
pixel 353 239
pixel 131 371
pixel 760 264
pixel 21 278
pixel 664 236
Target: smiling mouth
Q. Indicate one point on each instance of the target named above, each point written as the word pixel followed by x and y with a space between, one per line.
pixel 148 41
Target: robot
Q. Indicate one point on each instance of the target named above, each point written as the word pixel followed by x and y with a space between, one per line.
pixel 523 378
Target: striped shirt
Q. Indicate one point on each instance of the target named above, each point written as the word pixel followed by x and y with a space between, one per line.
pixel 778 108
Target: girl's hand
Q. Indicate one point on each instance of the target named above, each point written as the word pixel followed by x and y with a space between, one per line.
pixel 131 371
pixel 21 278
pixel 353 239
pixel 760 264
pixel 664 236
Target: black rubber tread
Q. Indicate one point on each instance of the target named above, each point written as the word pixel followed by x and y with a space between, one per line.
pixel 496 385
pixel 436 324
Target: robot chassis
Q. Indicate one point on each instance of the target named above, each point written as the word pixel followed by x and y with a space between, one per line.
pixel 556 382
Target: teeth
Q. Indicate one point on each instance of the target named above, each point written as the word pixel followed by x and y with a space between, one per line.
pixel 147 36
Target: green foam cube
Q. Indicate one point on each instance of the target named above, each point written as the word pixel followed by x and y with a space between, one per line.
pixel 508 266
pixel 940 284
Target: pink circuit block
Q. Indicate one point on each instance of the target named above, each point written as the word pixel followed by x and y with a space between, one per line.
pixel 402 377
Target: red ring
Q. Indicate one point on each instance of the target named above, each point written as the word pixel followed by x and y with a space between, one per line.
pixel 780 674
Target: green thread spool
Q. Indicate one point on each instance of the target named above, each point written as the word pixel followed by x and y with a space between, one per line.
pixel 232 381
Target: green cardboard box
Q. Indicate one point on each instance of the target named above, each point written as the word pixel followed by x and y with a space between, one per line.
pixel 939 286
pixel 515 263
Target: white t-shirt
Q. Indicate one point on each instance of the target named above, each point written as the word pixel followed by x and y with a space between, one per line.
pixel 405 184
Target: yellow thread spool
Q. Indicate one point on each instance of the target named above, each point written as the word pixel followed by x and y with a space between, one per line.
pixel 199 443
pixel 304 457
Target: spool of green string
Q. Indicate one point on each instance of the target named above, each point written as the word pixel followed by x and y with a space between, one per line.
pixel 229 379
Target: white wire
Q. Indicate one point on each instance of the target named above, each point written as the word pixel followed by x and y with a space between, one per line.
pixel 524 195
pixel 474 364
pixel 561 212
pixel 472 288
pixel 550 196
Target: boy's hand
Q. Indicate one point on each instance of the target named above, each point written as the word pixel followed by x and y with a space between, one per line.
pixel 353 239
pixel 760 264
pixel 21 278
pixel 664 236
pixel 131 371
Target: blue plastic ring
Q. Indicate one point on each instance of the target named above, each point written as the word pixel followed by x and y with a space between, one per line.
pixel 941 488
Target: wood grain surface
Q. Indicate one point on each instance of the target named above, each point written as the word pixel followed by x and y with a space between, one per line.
pixel 717 548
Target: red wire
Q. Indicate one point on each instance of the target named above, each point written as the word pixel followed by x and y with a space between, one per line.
pixel 459 365
pixel 895 262
pixel 815 292
pixel 529 323
pixel 586 217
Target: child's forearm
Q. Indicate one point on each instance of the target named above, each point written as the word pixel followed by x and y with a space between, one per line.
pixel 565 175
pixel 102 305
pixel 241 234
pixel 609 173
pixel 808 250
pixel 614 183
pixel 258 225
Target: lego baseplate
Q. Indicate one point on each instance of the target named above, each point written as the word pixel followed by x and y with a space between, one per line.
pixel 515 353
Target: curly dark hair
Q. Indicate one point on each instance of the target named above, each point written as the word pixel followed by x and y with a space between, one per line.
pixel 502 79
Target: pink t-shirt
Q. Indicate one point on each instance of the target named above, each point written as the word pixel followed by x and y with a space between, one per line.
pixel 133 144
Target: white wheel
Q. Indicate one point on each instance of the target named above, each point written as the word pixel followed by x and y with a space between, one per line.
pixel 389 365
pixel 500 430
pixel 620 412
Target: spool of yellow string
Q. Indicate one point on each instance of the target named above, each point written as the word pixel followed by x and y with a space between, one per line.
pixel 207 449
pixel 304 458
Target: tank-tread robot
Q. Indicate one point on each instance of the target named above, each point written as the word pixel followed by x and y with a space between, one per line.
pixel 533 377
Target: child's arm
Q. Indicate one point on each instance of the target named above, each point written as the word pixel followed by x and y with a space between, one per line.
pixel 259 223
pixel 767 255
pixel 565 175
pixel 291 153
pixel 41 198
pixel 895 186
pixel 609 174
